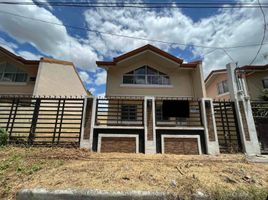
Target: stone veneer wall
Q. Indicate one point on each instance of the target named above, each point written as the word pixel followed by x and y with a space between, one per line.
pixel 181 145
pixel 118 144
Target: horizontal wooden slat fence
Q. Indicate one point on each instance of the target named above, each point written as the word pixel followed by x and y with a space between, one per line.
pixel 42 120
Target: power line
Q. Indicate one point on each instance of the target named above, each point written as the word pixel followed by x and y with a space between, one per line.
pixel 140 4
pixel 264 33
pixel 125 36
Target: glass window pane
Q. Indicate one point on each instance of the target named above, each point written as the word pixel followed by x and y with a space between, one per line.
pixel 225 86
pixel 166 80
pixel 140 79
pixel 11 68
pixel 8 77
pixel 152 71
pixel 128 79
pixel 140 71
pixel 21 77
pixel 2 67
pixel 265 83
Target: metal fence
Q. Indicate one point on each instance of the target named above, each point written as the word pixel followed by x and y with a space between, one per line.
pixel 260 115
pixel 116 111
pixel 42 121
pixel 194 119
pixel 227 127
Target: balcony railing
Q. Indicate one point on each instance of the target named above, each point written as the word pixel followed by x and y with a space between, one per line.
pixel 129 111
pixel 120 111
pixel 194 119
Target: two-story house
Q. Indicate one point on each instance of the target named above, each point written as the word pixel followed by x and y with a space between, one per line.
pixel 152 104
pixel 44 77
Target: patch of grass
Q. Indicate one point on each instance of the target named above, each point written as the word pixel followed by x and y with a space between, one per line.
pixel 248 193
pixel 3 137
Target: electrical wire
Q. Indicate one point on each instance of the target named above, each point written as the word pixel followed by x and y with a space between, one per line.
pixel 139 4
pixel 125 36
pixel 264 33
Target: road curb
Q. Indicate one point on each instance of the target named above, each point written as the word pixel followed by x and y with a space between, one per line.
pixel 70 194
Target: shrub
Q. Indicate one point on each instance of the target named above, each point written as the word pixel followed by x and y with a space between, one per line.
pixel 3 137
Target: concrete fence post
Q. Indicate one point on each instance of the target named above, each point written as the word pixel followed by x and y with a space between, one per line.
pixel 247 129
pixel 88 122
pixel 210 129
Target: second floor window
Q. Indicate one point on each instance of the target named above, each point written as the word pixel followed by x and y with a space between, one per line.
pixel 146 76
pixel 11 73
pixel 265 82
pixel 223 87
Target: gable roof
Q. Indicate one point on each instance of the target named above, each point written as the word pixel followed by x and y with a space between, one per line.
pixel 19 58
pixel 139 50
pixel 254 67
pixel 246 68
pixel 213 72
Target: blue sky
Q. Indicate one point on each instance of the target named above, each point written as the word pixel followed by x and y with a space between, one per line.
pixel 206 27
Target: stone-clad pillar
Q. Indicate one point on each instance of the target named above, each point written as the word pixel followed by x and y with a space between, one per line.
pixel 210 130
pixel 88 123
pixel 149 118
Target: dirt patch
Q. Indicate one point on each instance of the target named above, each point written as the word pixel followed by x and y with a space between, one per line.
pixel 59 168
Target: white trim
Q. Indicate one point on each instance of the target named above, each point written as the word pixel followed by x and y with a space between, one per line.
pixel 145 123
pixel 145 86
pixel 118 127
pixel 134 95
pixel 215 73
pixel 82 142
pixel 163 136
pixel 223 94
pixel 12 83
pixel 180 128
pixel 39 69
pixel 101 135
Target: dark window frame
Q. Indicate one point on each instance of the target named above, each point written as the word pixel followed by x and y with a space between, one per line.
pixel 151 76
pixel 128 112
pixel 264 82
pixel 13 75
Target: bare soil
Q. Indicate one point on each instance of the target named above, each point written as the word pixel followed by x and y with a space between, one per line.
pixel 59 168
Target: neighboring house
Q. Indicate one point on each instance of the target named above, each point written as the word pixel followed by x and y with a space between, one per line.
pixel 217 85
pixel 256 78
pixel 152 104
pixel 44 77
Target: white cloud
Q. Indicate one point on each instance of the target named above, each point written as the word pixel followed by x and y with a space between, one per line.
pixel 229 27
pixel 92 90
pixel 101 77
pixel 49 39
pixel 8 45
pixel 85 77
pixel 28 55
